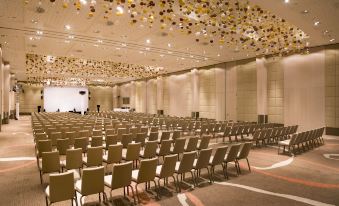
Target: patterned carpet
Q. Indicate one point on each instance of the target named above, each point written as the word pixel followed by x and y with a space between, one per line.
pixel 311 178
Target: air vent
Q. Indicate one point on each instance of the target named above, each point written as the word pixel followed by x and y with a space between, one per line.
pixel 40 10
pixel 34 46
pixel 109 23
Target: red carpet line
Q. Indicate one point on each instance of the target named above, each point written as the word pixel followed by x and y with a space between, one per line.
pixel 17 167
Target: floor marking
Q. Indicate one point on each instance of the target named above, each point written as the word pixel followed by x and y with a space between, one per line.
pixel 330 156
pixel 276 165
pixel 331 138
pixel 182 199
pixel 17 167
pixel 194 199
pixel 10 159
pixel 291 197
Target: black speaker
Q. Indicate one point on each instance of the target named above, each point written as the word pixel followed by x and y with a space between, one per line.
pixel 39 108
pixel 98 108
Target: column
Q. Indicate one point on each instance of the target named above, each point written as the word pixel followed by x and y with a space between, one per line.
pixel 220 92
pixel 1 83
pixel 6 93
pixel 195 92
pixel 116 96
pixel 160 95
pixel 231 91
pixel 261 90
pixel 132 96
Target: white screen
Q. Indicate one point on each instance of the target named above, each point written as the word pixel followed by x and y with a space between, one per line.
pixel 65 99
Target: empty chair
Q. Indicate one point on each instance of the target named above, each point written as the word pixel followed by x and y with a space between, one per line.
pixel 288 143
pixel 96 141
pixel 70 136
pixel 50 163
pixel 244 151
pixel 167 169
pixel 84 133
pixel 114 154
pixel 132 153
pixel 202 163
pixel 231 156
pixel 153 136
pixel 40 136
pixel 43 146
pixel 54 136
pixel 165 135
pixel 111 140
pixel 92 182
pixel 146 173
pixel 176 135
pixel 97 133
pixel 203 143
pixel 94 157
pixel 82 143
pixel 134 132
pixel 185 166
pixel 121 177
pixel 141 138
pixel 73 161
pixel 60 188
pixel 165 148
pixel 150 150
pixel 179 146
pixel 120 132
pixel 192 144
pixel 218 159
pixel 126 139
pixel 109 132
pixel 62 146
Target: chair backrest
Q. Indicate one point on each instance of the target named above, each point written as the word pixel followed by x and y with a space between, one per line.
pixel 165 147
pixel 179 146
pixel 126 139
pixel 84 133
pixel 150 149
pixel 44 146
pixel 133 150
pixel 121 175
pixel 73 159
pixel 40 136
pixel 111 140
pixel 232 152
pixel 96 141
pixel 50 162
pixel 109 132
pixel 186 163
pixel 203 159
pixel 61 186
pixel 114 153
pixel 54 136
pixel 204 141
pixel 82 143
pixel 165 135
pixel 153 136
pixel 244 150
pixel 120 132
pixel 97 133
pixel 176 135
pixel 70 136
pixel 92 180
pixel 219 155
pixel 144 130
pixel 134 132
pixel 168 166
pixel 192 144
pixel 62 146
pixel 141 138
pixel 147 170
pixel 94 156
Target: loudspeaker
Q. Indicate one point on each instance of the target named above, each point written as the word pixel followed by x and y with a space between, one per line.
pixel 98 108
pixel 39 108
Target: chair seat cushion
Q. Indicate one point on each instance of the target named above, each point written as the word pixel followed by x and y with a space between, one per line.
pixel 135 174
pixel 108 180
pixel 78 185
pixel 158 170
pixel 285 142
pixel 47 191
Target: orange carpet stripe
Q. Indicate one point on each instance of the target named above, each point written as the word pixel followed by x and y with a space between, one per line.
pixel 17 167
pixel 194 199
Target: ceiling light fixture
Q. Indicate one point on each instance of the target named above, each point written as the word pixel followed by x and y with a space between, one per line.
pixel 68 27
pixel 169 45
pixel 287 1
pixel 305 11
pixel 120 11
pixel 99 41
pixel 67 41
pixel 332 40
pixel 39 32
pixel 71 37
pixel 83 2
pixel 316 23
pixel 148 41
pixel 218 55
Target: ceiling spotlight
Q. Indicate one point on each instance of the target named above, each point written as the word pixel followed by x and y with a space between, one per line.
pixel 31 38
pixel 123 44
pixel 141 52
pixel 148 41
pixel 287 1
pixel 332 40
pixel 162 55
pixel 71 37
pixel 169 52
pixel 117 48
pixel 120 10
pixel 95 45
pixel 67 27
pixel 147 48
pixel 39 32
pixel 305 11
pixel 218 55
pixel 169 45
pixel 83 2
pixel 99 41
pixel 316 23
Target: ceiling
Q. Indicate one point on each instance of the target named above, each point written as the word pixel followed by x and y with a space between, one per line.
pixel 24 30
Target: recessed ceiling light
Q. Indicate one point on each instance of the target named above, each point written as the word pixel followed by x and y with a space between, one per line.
pixel 316 23
pixel 117 48
pixel 287 1
pixel 95 45
pixel 68 27
pixel 123 44
pixel 34 21
pixel 182 58
pixel 169 45
pixel 120 10
pixel 83 2
pixel 147 48
pixel 305 11
pixel 39 32
pixel 141 52
pixel 71 37
pixel 148 41
pixel 31 38
pixel 67 41
pixel 169 52
pixel 218 55
pixel 162 55
pixel 332 40
pixel 99 41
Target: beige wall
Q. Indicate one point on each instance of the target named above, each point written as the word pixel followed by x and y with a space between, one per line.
pixel 207 93
pixel 152 96
pixel 332 86
pixel 30 98
pixel 102 96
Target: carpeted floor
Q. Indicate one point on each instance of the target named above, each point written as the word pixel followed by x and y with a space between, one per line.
pixel 311 178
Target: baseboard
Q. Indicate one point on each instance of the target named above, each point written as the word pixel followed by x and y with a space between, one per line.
pixel 332 131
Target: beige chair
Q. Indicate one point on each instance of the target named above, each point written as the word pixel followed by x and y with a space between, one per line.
pixel 145 174
pixel 192 144
pixel 43 146
pixel 132 153
pixel 126 139
pixel 165 148
pixel 185 166
pixel 176 135
pixel 114 154
pixel 218 159
pixel 82 143
pixel 203 143
pixel 94 157
pixel 111 140
pixel 120 132
pixel 141 137
pixel 109 132
pixel 50 164
pixel 60 188
pixel 150 150
pixel 153 136
pixel 167 170
pixel 165 135
pixel 84 133
pixel 133 131
pixel 97 133
pixel 244 151
pixel 202 163
pixel 40 136
pixel 92 182
pixel 96 141
pixel 62 146
pixel 73 161
pixel 70 136
pixel 54 137
pixel 231 156
pixel 179 146
pixel 121 177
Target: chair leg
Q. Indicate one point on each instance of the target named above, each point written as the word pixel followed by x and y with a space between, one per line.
pixel 132 194
pixel 156 189
pixel 75 198
pixel 46 200
pixel 136 191
pixel 248 163
pixel 209 174
pixel 175 184
pixel 225 172
pixel 40 177
pixel 193 178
